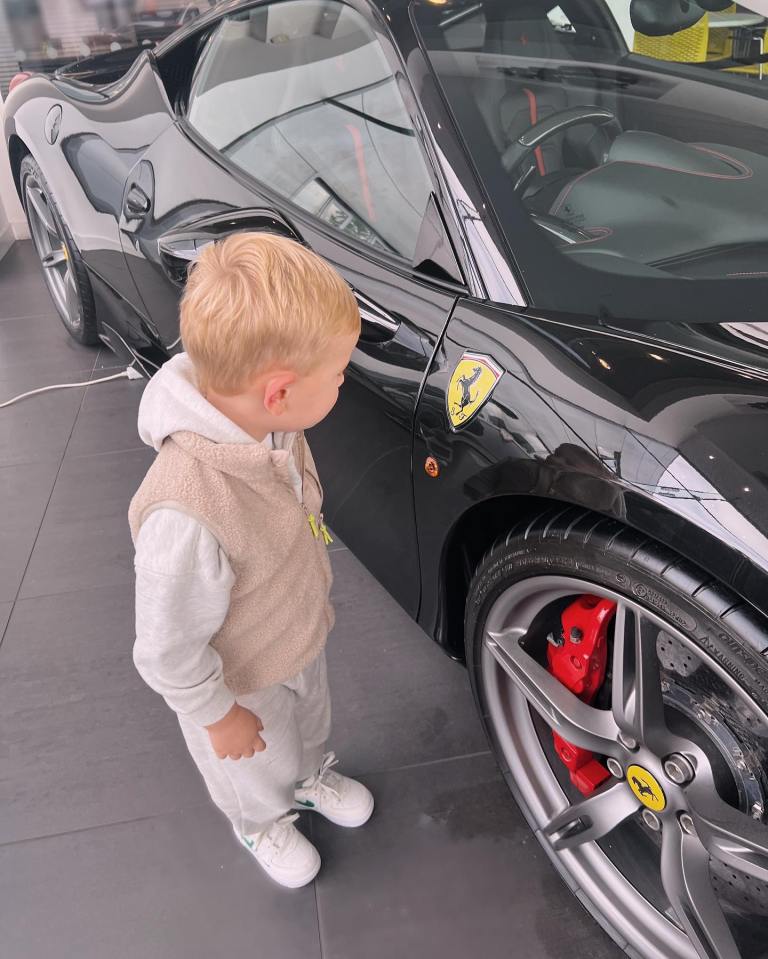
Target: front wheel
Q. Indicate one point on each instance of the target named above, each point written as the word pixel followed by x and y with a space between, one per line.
pixel 665 841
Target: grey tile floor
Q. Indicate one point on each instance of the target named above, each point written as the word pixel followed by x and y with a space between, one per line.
pixel 109 848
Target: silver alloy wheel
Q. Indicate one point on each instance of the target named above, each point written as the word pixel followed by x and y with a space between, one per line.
pixel 52 250
pixel 514 681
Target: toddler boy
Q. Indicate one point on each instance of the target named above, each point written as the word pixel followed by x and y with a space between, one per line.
pixel 232 571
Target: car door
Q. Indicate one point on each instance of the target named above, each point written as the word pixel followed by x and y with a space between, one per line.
pixel 295 123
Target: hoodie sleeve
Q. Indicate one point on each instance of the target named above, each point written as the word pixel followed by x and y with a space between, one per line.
pixel 183 585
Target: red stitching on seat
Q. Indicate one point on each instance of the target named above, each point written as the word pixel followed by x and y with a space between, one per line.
pixel 357 140
pixel 566 192
pixel 602 233
pixel 745 175
pixel 533 110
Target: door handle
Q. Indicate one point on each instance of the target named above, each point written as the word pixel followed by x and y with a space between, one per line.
pixel 181 245
pixel 186 249
pixel 177 253
pixel 378 326
pixel 137 203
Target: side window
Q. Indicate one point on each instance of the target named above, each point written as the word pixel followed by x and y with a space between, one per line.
pixel 300 95
pixel 465 30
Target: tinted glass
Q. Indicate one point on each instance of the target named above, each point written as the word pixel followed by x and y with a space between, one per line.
pixel 300 95
pixel 629 138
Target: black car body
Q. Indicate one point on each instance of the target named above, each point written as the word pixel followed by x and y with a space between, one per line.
pixel 622 303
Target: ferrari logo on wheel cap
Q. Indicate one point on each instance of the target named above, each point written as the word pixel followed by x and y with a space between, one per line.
pixel 646 787
pixel 472 383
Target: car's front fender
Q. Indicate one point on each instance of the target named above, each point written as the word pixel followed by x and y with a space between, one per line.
pixel 584 418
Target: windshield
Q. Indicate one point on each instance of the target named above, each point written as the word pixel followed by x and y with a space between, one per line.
pixel 622 143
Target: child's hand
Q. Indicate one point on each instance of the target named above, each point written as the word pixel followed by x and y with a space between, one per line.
pixel 237 734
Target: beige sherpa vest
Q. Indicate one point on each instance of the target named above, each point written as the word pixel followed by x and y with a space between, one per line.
pixel 279 614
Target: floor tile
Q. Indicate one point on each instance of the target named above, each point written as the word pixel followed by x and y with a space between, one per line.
pixel 397 698
pixel 41 349
pixel 20 260
pixel 107 420
pixel 107 360
pixel 164 888
pixel 86 741
pixel 36 428
pixel 85 540
pixel 24 492
pixel 5 613
pixel 446 868
pixel 26 295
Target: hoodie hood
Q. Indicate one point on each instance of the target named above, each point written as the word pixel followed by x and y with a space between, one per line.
pixel 172 404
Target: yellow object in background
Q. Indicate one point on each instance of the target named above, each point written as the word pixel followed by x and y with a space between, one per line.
pixel 697 44
pixel 685 46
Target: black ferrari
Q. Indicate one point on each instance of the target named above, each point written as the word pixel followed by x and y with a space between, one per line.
pixel 552 447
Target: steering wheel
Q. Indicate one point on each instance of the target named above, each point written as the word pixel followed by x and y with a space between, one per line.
pixel 521 149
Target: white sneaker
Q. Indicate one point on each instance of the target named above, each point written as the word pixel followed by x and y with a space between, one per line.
pixel 344 801
pixel 283 853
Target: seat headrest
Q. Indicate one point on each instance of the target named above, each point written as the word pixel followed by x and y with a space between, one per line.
pixel 714 6
pixel 660 18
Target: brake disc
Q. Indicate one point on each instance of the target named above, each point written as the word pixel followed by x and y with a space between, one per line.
pixel 675 657
pixel 725 729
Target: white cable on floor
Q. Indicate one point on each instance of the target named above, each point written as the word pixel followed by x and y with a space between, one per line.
pixel 130 374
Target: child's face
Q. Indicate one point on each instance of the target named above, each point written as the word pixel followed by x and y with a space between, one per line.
pixel 310 397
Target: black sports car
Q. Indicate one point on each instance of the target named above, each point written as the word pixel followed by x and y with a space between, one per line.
pixel 552 447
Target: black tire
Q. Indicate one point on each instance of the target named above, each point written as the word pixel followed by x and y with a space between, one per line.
pixel 76 308
pixel 574 543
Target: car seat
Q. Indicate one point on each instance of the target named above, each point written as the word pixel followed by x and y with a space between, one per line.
pixel 528 94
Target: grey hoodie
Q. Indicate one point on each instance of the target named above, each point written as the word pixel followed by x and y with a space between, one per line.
pixel 183 578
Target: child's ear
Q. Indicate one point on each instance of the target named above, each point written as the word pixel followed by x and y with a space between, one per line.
pixel 276 391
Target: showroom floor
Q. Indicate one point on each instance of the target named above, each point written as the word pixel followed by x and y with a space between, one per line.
pixel 110 847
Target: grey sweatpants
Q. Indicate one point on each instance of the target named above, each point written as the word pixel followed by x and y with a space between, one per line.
pixel 296 716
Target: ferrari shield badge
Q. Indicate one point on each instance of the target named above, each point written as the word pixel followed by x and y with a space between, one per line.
pixel 472 382
pixel 646 787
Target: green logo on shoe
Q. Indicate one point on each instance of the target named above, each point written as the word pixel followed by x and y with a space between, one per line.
pixel 249 842
pixel 306 802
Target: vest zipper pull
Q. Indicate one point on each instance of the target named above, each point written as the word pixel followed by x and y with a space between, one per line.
pixel 327 538
pixel 313 526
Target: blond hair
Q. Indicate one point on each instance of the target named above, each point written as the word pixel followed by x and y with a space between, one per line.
pixel 255 301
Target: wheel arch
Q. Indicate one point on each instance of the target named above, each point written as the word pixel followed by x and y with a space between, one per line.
pixel 476 531
pixel 17 150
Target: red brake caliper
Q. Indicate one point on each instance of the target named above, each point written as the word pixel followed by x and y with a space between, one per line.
pixel 578 659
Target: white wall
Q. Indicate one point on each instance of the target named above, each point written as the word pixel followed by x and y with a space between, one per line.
pixel 13 223
pixel 620 10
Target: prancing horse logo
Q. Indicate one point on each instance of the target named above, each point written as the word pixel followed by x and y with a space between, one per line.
pixel 473 380
pixel 642 788
pixel 646 787
pixel 466 383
